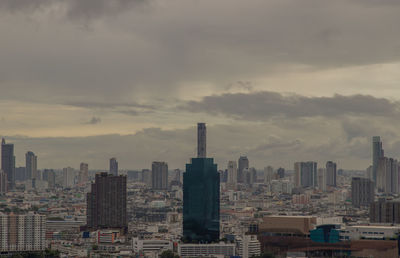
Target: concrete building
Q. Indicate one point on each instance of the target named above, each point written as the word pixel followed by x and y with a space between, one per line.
pixel 150 245
pixel 68 177
pixel 384 212
pixel 50 176
pixel 232 174
pixel 106 203
pixel 377 153
pixel 206 250
pixel 201 140
pixel 159 175
pixel 306 174
pixel 8 162
pixel 146 177
pixel 268 175
pixel 322 179
pixel 19 233
pixel 362 192
pixel 331 173
pixel 3 182
pixel 375 232
pixel 387 177
pixel 248 246
pixel 31 166
pixel 288 225
pixel 113 167
pixel 281 172
pixel 243 164
pixel 83 173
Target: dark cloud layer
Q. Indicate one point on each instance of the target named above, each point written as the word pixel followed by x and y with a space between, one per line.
pixel 265 105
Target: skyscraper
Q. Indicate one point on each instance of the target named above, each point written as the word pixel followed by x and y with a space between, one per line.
pixel 31 166
pixel 322 179
pixel 8 162
pixel 201 140
pixel 306 174
pixel 3 182
pixel 159 175
pixel 268 175
pixel 281 172
pixel 377 153
pixel 106 203
pixel 201 199
pixel 387 177
pixel 113 167
pixel 362 191
pixel 68 177
pixel 243 163
pixel 83 173
pixel 232 173
pixel 331 173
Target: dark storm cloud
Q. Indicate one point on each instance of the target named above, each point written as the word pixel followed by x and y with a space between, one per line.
pixel 264 105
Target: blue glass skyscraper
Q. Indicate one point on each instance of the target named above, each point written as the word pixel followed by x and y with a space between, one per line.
pixel 201 197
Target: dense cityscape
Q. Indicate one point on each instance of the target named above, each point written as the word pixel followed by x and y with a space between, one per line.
pixel 239 211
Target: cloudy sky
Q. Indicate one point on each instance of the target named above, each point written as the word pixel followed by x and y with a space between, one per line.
pixel 277 80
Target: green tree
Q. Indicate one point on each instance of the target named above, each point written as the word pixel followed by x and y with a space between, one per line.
pixel 168 254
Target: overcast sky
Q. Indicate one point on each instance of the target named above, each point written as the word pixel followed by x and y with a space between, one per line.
pixel 277 80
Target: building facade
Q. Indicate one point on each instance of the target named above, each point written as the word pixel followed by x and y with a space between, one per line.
pixel 8 162
pixel 159 175
pixel 31 166
pixel 106 203
pixel 306 174
pixel 362 191
pixel 114 167
pixel 243 163
pixel 377 153
pixel 331 173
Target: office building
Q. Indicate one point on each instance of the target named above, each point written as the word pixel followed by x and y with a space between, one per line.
pixel 8 162
pixel 3 182
pixel 331 173
pixel 68 177
pixel 50 176
pixel 377 153
pixel 384 212
pixel 31 166
pixel 243 164
pixel 268 175
pixel 83 173
pixel 20 174
pixel 159 175
pixel 22 233
pixel 106 203
pixel 248 246
pixel 206 250
pixel 306 174
pixel 201 196
pixel 201 140
pixel 322 179
pixel 114 167
pixel 151 246
pixel 232 174
pixel 146 177
pixel 362 191
pixel 387 177
pixel 281 172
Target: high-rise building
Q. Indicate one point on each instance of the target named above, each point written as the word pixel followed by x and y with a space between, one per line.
pixel 243 164
pixel 50 176
pixel 387 177
pixel 8 162
pixel 281 172
pixel 306 174
pixel 146 177
pixel 322 179
pixel 384 212
pixel 106 203
pixel 20 174
pixel 268 175
pixel 232 174
pixel 31 165
pixel 114 167
pixel 159 175
pixel 22 233
pixel 377 153
pixel 331 173
pixel 250 176
pixel 362 191
pixel 201 191
pixel 83 173
pixel 68 177
pixel 3 182
pixel 248 246
pixel 201 140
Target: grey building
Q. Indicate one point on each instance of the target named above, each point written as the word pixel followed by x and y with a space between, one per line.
pixel 159 175
pixel 243 163
pixel 8 162
pixel 201 140
pixel 31 166
pixel 362 191
pixel 114 167
pixel 377 153
pixel 306 174
pixel 384 212
pixel 331 173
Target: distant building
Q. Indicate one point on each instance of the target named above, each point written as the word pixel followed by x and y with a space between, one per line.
pixel 206 250
pixel 201 140
pixel 331 173
pixel 22 233
pixel 8 162
pixel 322 179
pixel 146 246
pixel 146 177
pixel 68 177
pixel 384 212
pixel 306 174
pixel 83 173
pixel 50 176
pixel 362 191
pixel 113 167
pixel 201 196
pixel 268 175
pixel 232 174
pixel 377 153
pixel 281 172
pixel 387 177
pixel 243 164
pixel 31 166
pixel 20 174
pixel 159 175
pixel 106 203
pixel 3 182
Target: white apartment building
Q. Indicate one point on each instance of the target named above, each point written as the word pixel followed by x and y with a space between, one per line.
pixel 248 246
pixel 22 232
pixel 150 245
pixel 206 250
pixel 368 232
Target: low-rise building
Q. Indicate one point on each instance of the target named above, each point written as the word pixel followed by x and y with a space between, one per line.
pixel 206 250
